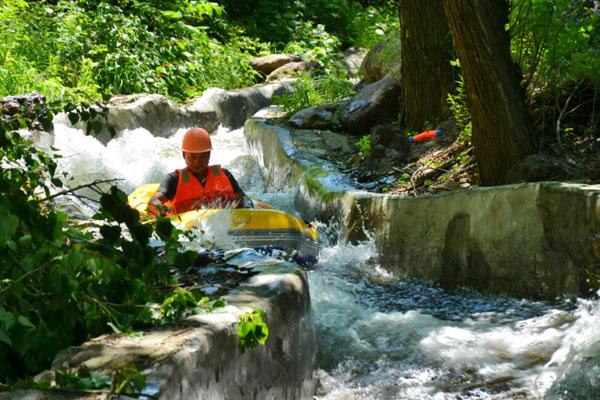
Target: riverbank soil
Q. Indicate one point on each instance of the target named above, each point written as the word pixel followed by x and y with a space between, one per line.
pixel 449 162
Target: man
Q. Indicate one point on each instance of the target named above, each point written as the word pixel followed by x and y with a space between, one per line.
pixel 199 185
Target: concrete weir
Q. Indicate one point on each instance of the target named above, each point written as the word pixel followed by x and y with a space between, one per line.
pixel 536 240
pixel 200 358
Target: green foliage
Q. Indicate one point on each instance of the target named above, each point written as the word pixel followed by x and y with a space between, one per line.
pixel 81 380
pixel 291 24
pixel 404 179
pixel 17 75
pixel 466 133
pixel 252 329
pixel 94 117
pixel 127 379
pixel 83 49
pixel 457 102
pixel 315 30
pixel 371 24
pixel 269 20
pixel 282 21
pixel 364 146
pixel 556 41
pixel 61 283
pixel 182 303
pixel 28 64
pixel 335 15
pixel 310 91
pixel 313 42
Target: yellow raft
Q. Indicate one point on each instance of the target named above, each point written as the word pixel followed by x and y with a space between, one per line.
pixel 263 228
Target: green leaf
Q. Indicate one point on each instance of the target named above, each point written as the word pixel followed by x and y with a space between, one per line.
pixel 75 259
pixel 73 117
pixel 95 126
pixel 25 322
pixel 252 330
pixel 110 232
pixel 92 265
pixel 164 227
pixel 7 318
pixel 57 182
pixel 114 327
pixel 8 225
pixel 11 245
pixel 4 338
pixel 27 262
pixel 25 240
pixel 172 14
pixel 219 303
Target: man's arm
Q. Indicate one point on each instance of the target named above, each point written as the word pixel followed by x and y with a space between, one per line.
pixel 165 192
pixel 242 200
pixel 156 205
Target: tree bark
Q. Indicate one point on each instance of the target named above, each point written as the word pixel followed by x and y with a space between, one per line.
pixel 425 68
pixel 502 128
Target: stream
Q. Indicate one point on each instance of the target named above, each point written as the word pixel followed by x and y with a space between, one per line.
pixel 381 337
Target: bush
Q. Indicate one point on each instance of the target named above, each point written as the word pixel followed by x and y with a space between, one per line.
pixel 119 48
pixel 371 24
pixel 280 21
pixel 314 43
pixel 62 283
pixel 311 91
pixel 556 41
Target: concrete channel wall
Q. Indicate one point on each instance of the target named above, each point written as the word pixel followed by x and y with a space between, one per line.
pixel 537 240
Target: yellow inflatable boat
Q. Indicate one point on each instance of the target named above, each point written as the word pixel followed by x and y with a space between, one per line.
pixel 263 228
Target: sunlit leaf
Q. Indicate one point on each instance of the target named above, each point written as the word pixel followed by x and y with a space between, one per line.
pixel 25 322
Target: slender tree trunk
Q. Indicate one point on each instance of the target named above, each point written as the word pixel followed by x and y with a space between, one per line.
pixel 426 71
pixel 502 128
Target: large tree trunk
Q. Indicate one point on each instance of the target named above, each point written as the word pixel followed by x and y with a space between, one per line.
pixel 426 71
pixel 502 128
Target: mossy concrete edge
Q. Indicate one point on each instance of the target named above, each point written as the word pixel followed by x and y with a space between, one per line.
pixel 201 358
pixel 534 240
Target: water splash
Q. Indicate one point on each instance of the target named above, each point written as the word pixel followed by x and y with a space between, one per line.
pixel 386 338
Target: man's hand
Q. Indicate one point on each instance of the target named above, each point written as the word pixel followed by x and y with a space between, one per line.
pixel 245 202
pixel 156 205
pixel 159 209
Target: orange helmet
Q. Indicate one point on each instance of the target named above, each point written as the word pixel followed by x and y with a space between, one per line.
pixel 196 140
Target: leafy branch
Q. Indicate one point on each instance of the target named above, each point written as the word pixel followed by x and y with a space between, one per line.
pixel 93 185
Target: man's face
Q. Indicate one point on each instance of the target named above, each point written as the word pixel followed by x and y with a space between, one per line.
pixel 197 162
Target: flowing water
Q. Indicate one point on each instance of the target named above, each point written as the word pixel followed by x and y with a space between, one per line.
pixel 381 337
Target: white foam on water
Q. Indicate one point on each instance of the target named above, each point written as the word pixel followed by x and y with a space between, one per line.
pixel 137 157
pixel 369 352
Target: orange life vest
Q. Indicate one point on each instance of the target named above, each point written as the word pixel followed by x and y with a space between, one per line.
pixel 217 191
